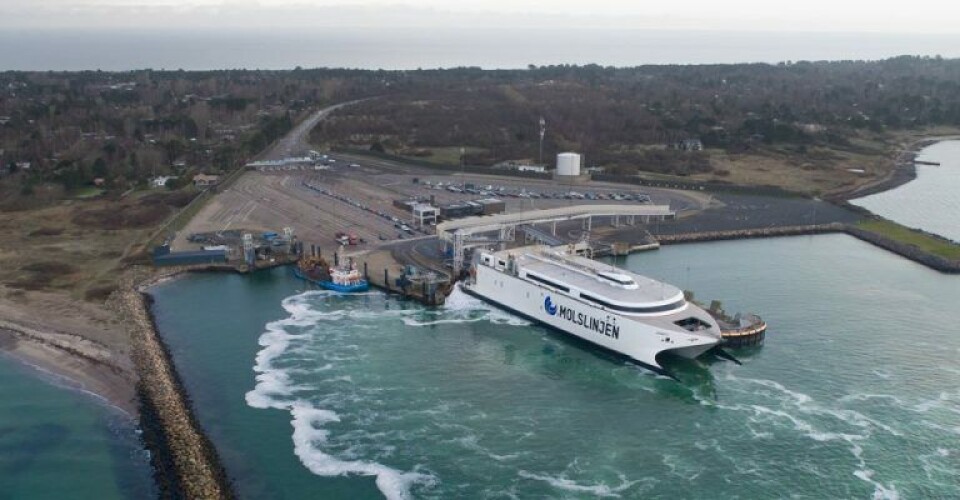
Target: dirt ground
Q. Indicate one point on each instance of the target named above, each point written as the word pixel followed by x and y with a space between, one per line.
pixel 58 265
pixel 870 158
pixel 82 342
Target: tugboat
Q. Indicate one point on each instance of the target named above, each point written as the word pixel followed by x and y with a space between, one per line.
pixel 344 278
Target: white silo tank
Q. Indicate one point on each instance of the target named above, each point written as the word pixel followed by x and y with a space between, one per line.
pixel 568 164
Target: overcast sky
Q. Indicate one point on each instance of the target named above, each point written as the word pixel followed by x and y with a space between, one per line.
pixel 917 16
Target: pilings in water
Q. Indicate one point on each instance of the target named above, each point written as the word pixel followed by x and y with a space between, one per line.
pixel 383 271
pixel 393 280
pixel 752 335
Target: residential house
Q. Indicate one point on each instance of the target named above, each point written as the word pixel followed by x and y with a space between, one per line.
pixel 690 145
pixel 161 181
pixel 204 181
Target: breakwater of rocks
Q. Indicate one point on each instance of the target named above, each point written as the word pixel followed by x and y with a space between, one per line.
pixel 906 250
pixel 737 234
pixel 184 460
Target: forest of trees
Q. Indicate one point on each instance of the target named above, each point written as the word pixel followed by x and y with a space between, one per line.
pixel 73 128
pixel 624 116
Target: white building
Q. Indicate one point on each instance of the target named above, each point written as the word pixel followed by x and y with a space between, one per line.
pixel 532 168
pixel 568 164
pixel 424 213
pixel 161 181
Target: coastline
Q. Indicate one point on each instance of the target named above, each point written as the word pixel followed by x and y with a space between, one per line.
pixel 73 342
pixel 66 383
pixel 904 171
pixel 137 379
pixel 148 389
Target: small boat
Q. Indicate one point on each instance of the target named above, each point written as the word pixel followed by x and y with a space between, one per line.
pixel 344 278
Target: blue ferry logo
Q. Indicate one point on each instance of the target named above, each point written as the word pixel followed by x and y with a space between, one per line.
pixel 549 306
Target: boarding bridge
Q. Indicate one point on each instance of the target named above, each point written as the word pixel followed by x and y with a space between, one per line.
pixel 462 233
pixel 539 236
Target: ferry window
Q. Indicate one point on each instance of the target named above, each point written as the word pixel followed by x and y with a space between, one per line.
pixel 692 324
pixel 621 280
pixel 548 282
pixel 651 309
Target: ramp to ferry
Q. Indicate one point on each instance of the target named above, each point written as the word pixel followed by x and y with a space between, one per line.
pixel 462 232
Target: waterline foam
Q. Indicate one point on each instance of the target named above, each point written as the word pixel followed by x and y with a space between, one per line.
pixel 275 390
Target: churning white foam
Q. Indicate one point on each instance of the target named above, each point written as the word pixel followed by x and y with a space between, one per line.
pixel 462 305
pixel 308 436
pixel 562 483
pixel 414 322
pixel 274 389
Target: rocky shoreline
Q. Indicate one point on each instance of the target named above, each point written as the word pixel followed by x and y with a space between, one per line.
pixel 910 252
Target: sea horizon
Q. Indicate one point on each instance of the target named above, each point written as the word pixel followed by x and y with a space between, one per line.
pixel 410 48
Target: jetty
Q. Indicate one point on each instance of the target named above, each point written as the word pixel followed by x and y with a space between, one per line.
pixel 184 459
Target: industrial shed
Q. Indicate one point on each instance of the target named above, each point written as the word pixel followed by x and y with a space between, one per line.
pixel 162 256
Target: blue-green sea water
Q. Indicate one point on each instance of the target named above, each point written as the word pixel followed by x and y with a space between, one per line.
pixel 931 201
pixel 856 394
pixel 59 443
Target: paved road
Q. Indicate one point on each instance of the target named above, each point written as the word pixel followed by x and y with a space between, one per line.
pixel 293 144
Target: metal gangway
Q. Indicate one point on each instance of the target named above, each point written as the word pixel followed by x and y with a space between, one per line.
pixel 461 233
pixel 540 236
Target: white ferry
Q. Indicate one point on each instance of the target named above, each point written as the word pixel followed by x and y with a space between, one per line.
pixel 624 312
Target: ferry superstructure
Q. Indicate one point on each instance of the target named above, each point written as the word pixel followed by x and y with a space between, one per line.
pixel 624 312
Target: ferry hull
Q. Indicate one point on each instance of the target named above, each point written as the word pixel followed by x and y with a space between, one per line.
pixel 633 338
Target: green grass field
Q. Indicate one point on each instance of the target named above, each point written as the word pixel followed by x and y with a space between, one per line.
pixel 894 231
pixel 87 192
pixel 448 155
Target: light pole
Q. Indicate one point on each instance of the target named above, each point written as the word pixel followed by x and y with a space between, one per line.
pixel 543 130
pixel 462 179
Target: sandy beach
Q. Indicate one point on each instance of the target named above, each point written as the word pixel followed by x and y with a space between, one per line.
pixel 83 343
pixel 904 170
